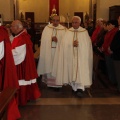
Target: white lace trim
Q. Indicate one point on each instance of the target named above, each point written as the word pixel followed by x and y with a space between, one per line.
pixel 19 54
pixel 23 82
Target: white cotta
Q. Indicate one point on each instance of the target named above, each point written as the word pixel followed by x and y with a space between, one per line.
pixel 1 50
pixel 46 58
pixel 65 71
pixel 19 54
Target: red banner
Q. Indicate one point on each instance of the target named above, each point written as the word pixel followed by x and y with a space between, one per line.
pixel 54 4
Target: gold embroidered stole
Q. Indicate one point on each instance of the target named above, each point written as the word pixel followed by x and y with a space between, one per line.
pixel 54 34
pixel 75 57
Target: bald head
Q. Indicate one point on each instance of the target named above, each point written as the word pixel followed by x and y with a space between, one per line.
pixel 16 26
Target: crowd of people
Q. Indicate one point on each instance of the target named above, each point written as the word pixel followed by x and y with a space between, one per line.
pixel 66 57
pixel 105 40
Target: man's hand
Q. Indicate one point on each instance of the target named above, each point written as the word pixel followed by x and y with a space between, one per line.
pixel 110 51
pixel 54 39
pixel 75 43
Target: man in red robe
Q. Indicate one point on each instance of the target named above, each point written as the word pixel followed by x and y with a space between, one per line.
pixel 112 29
pixel 8 75
pixel 25 64
pixel 99 25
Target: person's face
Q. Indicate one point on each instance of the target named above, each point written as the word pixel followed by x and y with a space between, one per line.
pixel 13 28
pixel 29 20
pixel 119 21
pixel 99 23
pixel 110 27
pixel 56 21
pixel 75 23
pixel 105 26
pixel 8 29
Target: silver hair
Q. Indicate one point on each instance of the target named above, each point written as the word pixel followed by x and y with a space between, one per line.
pixel 77 18
pixel 20 25
pixel 100 19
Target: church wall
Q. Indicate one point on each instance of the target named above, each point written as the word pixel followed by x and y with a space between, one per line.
pixel 71 6
pixel 41 8
pixel 103 8
pixel 6 9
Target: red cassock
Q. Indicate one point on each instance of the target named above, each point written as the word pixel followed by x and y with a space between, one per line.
pixel 108 39
pixel 8 75
pixel 95 34
pixel 26 70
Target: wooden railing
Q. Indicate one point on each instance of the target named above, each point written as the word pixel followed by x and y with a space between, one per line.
pixel 5 97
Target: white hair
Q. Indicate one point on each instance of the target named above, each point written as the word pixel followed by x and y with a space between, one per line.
pixel 77 18
pixel 20 25
pixel 100 19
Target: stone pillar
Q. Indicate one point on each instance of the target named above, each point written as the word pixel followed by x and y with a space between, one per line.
pixel 16 9
pixel 90 9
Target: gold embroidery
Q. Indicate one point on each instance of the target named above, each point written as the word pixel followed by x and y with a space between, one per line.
pixel 54 29
pixel 57 28
pixel 77 30
pixel 75 52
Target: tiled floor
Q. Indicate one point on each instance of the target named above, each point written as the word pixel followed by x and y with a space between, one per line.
pixel 101 102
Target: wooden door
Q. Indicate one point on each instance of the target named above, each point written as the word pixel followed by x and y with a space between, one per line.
pixel 30 15
pixel 80 14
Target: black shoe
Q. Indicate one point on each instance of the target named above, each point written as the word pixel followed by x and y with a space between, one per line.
pixel 79 93
pixel 56 89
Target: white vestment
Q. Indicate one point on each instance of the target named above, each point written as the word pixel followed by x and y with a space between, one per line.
pixel 49 50
pixel 75 64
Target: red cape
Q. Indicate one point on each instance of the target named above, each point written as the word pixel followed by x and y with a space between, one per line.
pixel 95 34
pixel 108 39
pixel 8 75
pixel 27 69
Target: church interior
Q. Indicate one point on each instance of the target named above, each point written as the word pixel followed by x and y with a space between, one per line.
pixel 102 100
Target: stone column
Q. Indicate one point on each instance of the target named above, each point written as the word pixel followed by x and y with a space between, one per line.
pixel 16 9
pixel 90 8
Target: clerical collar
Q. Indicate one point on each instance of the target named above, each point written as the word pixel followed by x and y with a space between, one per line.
pixel 19 32
pixel 59 27
pixel 76 29
pixel 80 29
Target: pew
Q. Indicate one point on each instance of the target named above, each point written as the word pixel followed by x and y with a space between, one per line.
pixel 5 96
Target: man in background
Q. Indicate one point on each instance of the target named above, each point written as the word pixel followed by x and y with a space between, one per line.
pixel 115 54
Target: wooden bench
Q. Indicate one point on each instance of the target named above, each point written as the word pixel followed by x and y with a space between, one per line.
pixel 5 97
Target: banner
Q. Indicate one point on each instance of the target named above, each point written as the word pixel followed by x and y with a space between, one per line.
pixel 53 4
